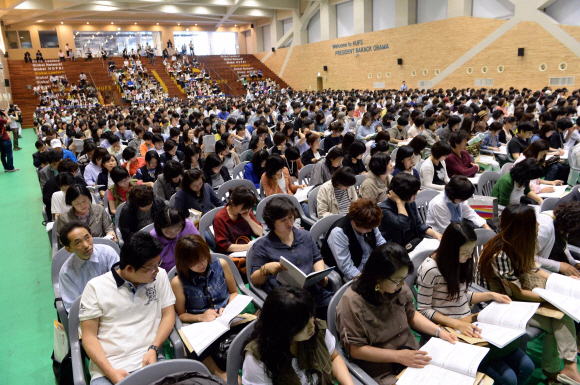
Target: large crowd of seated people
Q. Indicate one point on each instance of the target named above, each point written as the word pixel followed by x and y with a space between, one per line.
pixel 369 157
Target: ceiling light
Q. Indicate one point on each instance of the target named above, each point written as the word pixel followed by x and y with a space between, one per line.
pixel 61 22
pixel 87 22
pixel 111 22
pixel 157 23
pixel 39 21
pixel 178 23
pixel 235 25
pixel 135 23
pixel 196 24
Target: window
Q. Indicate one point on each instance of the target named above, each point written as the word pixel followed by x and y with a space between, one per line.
pixel 48 39
pixel 18 39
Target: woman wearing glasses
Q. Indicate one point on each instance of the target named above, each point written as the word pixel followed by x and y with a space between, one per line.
pixel 375 316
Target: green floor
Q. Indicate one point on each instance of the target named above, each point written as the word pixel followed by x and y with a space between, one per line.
pixel 26 297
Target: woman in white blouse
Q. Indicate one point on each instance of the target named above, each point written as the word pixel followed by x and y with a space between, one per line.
pixel 433 171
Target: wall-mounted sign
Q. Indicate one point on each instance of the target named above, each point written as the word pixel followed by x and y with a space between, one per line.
pixel 357 46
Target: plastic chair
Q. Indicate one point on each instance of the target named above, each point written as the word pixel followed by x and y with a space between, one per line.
pixel 483 236
pixel 258 291
pixel 304 174
pixel 238 172
pixel 148 228
pixel 236 354
pixel 263 202
pixel 54 241
pixel 243 154
pixel 486 182
pixel 321 227
pixel 117 220
pixel 206 221
pixel 160 370
pixel 155 188
pixel 418 165
pixel 417 261
pixel 353 368
pixel 422 201
pixel 549 204
pixel 312 202
pixel 506 168
pixel 359 180
pixel 223 191
pixel 172 200
pixel 57 261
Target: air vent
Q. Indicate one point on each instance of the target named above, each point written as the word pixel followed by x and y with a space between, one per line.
pixel 379 74
pixel 413 73
pixel 483 82
pixel 425 84
pixel 437 72
pixel 563 66
pixel 469 70
pixel 484 69
pixel 543 67
pixel 370 76
pixel 425 72
pixel 388 74
pixel 500 69
pixel 563 81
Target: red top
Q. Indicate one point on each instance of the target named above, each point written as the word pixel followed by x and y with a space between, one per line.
pixel 122 193
pixel 460 166
pixel 135 166
pixel 228 232
pixel 5 135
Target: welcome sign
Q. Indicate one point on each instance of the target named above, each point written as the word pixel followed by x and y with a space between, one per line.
pixel 357 47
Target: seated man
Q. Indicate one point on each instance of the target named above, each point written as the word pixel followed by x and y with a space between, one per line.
pixel 127 314
pixel 51 186
pixel 87 261
pixel 350 240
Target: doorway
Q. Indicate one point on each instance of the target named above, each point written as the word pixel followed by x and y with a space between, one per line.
pixel 319 83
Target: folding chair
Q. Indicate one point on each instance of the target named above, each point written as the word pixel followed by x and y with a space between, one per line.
pixel 320 228
pixel 486 182
pixel 549 204
pixel 117 220
pixel 243 154
pixel 205 223
pixel 422 201
pixel 172 200
pixel 238 172
pixel 160 370
pixel 258 291
pixel 359 180
pixel 263 202
pixel 506 168
pixel 304 174
pixel 57 261
pixel 223 191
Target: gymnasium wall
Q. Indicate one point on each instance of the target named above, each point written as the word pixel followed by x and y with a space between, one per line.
pixel 431 46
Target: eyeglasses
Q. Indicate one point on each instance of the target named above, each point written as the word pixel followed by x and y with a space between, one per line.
pixel 150 269
pixel 400 282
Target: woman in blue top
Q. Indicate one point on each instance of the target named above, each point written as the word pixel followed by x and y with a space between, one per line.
pixel 203 287
pixel 364 131
pixel 253 171
pixel 405 161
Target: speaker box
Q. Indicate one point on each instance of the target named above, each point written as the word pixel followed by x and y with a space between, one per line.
pixel 520 52
pixel 273 49
pixel 6 82
pixel 6 54
pixel 252 25
pixel 400 62
pixel 326 68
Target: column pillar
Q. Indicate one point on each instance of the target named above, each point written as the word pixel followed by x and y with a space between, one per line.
pixel 363 16
pixel 457 8
pixel 327 20
pixel 405 12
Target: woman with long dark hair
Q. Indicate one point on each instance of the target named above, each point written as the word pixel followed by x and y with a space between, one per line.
pixel 405 161
pixel 322 171
pixel 507 266
pixel 444 297
pixel 538 150
pixel 289 345
pixel 253 171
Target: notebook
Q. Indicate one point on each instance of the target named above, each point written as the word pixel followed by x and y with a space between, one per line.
pixel 295 277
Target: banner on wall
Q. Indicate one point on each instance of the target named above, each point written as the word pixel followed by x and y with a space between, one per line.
pixel 43 70
pixel 356 47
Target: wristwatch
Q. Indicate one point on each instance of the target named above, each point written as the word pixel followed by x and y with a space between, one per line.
pixel 157 349
pixel 436 334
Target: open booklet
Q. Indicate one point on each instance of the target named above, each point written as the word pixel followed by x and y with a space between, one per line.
pixel 562 292
pixel 295 277
pixel 242 254
pixel 302 193
pixel 501 323
pixel 209 142
pixel 450 365
pixel 200 335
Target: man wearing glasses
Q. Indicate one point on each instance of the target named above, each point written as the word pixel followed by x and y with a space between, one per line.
pixel 127 314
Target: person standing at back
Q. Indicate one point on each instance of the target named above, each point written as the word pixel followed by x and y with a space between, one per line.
pixel 6 144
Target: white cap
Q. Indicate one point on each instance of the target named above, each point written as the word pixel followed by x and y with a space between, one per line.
pixel 55 143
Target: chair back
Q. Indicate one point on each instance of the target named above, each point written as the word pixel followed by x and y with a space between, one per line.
pixel 331 315
pixel 172 200
pixel 262 193
pixel 117 220
pixel 312 202
pixel 238 172
pixel 304 174
pixel 417 261
pixel 75 346
pixel 422 201
pixel 148 228
pixel 249 257
pixel 292 198
pixel 57 261
pixel 172 273
pixel 359 180
pixel 486 182
pixel 506 168
pixel 223 191
pixel 483 236
pixel 206 221
pixel 155 188
pixel 159 370
pixel 236 354
pixel 243 154
pixel 320 228
pixel 108 242
pixel 509 156
pixel 418 166
pixel 549 204
pixel 54 241
pixel 367 156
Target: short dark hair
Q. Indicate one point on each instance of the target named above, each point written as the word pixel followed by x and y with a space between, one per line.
pixel 67 228
pixel 277 208
pixel 169 145
pixel 129 153
pixel 140 249
pixel 453 120
pixel 292 153
pixel 76 191
pixel 141 196
pixel 67 165
pixel 357 148
pixel 220 146
pixel 242 195
pixel 440 149
pixel 344 176
pixel 39 144
pixel 457 137
pixel 274 163
pixel 65 179
pixel 405 185
pixel 169 216
pixel 118 173
pixel 157 138
pixel 403 152
pixel 567 218
pixel 114 139
pixel 172 169
pixel 459 187
pixel 495 126
pixel 334 153
pixel 526 170
pixel 55 156
pixel 379 163
pixel 526 126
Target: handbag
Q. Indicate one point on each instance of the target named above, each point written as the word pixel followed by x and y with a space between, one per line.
pixel 531 281
pixel 553 160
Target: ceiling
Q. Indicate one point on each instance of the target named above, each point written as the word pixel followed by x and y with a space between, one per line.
pixel 214 13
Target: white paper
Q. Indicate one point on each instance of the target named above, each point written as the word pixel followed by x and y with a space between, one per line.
pixel 202 334
pixel 514 315
pixel 433 375
pixel 426 244
pixel 238 254
pixel 558 192
pixel 475 179
pixel 238 146
pixel 502 150
pixel 564 285
pixel 302 194
pixel 459 357
pixel 486 159
pixel 498 335
pixel 209 143
pixel 564 156
pixel 570 306
pixel 295 277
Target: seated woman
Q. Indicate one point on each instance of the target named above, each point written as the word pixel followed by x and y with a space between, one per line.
pixel 255 145
pixel 169 182
pixel 405 161
pixel 334 138
pixel 376 183
pixel 452 206
pixel 507 266
pixel 459 162
pixel 433 172
pixel 538 150
pixel 514 187
pixel 313 154
pixel 93 169
pixel 140 210
pixel 289 345
pixel 322 171
pixel 123 183
pixel 418 144
pixel 170 225
pixel 350 241
pixel 104 179
pixel 375 315
pixel 276 177
pixel 191 157
pixel 336 195
pixel 79 197
pixel 296 245
pixel 401 222
pixel 379 146
pixel 196 194
pixel 235 224
pixel 203 288
pixel 293 163
pixel 354 158
pixel 132 162
pixel 279 140
pixel 444 297
pixel 253 171
pixel 215 173
pixel 229 157
pixel 152 169
pixel 170 152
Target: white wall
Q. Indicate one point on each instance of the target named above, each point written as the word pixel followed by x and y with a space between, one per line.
pixel 249 48
pixel 345 19
pixel 266 38
pixel 314 28
pixel 493 9
pixel 565 11
pixel 383 14
pixel 431 10
pixel 287 26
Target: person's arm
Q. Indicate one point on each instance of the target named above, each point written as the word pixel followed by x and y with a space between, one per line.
pixel 214 199
pixel 532 195
pixel 471 215
pixel 254 225
pixel 163 331
pixel 426 173
pixel 112 207
pixel 322 203
pixel 339 370
pixel 263 268
pixel 268 189
pixel 108 226
pixel 524 295
pixel 420 323
pixel 338 244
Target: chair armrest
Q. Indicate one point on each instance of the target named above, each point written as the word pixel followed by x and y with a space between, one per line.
pixel 77 362
pixel 309 221
pixel 62 314
pixel 177 343
pixel 119 237
pixel 477 289
pixel 486 152
pixel 259 292
pixel 257 300
pixel 575 251
pixel 334 281
pixel 355 370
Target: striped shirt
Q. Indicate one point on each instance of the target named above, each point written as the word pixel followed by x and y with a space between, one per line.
pixel 432 293
pixel 343 200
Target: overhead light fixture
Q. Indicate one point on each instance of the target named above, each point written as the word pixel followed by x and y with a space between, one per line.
pixel 157 23
pixel 118 29
pixel 87 22
pixel 178 23
pixel 196 24
pixel 135 23
pixel 61 22
pixel 235 25
pixel 187 29
pixel 111 22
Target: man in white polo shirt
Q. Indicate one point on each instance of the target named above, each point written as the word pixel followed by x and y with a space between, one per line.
pixel 127 314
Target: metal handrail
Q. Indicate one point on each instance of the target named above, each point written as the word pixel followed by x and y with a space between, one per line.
pixel 218 75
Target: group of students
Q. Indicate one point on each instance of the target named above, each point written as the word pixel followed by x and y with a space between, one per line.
pixel 369 244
